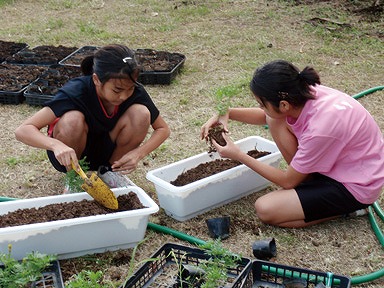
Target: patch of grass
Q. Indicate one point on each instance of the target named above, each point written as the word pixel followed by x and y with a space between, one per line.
pixel 6 2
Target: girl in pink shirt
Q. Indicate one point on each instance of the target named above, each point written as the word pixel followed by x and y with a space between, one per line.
pixel 333 147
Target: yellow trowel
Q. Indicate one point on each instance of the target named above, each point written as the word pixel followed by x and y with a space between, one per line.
pixel 95 187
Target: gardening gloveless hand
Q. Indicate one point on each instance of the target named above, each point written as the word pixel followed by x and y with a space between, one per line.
pixel 213 121
pixel 231 150
pixel 128 163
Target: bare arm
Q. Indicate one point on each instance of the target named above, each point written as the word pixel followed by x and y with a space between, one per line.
pixel 255 116
pixel 29 133
pixel 287 179
pixel 160 134
pixel 129 161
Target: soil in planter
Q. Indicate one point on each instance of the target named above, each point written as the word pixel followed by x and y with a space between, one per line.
pixel 41 55
pixel 14 77
pixel 7 49
pixel 207 169
pixel 67 210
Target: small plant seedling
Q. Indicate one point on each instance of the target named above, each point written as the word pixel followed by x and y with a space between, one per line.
pixel 218 263
pixel 87 279
pixel 73 180
pixel 15 274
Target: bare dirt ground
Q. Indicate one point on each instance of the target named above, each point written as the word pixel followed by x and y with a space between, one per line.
pixel 223 41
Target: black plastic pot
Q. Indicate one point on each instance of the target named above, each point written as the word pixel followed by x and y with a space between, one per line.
pixel 219 227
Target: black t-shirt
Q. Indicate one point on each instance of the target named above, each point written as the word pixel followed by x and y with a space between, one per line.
pixel 80 94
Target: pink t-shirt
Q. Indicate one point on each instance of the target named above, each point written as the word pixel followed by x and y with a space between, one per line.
pixel 338 138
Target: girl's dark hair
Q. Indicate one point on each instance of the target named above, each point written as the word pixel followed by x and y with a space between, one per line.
pixel 280 80
pixel 112 61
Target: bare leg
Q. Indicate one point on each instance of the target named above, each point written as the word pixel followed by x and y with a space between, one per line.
pixel 285 140
pixel 130 131
pixel 283 208
pixel 72 130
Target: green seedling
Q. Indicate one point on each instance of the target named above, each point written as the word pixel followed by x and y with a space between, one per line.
pixel 18 274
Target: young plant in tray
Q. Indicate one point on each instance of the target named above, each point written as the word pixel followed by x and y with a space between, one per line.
pixel 210 273
pixel 15 274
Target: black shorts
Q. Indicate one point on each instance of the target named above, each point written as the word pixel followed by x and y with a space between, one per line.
pixel 322 197
pixel 98 151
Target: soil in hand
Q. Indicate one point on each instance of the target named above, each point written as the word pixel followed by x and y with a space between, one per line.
pixel 215 133
pixel 207 169
pixel 67 210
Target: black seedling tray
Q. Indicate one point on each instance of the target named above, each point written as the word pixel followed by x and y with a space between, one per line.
pixel 162 268
pixel 44 55
pixel 46 86
pixel 271 275
pixel 51 277
pixel 8 48
pixel 158 67
pixel 76 57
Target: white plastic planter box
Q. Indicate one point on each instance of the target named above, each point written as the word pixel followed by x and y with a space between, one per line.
pixel 188 201
pixel 79 236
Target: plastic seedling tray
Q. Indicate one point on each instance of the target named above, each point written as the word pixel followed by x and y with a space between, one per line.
pixel 51 277
pixel 271 275
pixel 10 97
pixel 158 67
pixel 8 48
pixel 163 267
pixel 47 85
pixel 76 57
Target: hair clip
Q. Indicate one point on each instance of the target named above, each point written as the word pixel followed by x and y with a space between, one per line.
pixel 126 59
pixel 282 95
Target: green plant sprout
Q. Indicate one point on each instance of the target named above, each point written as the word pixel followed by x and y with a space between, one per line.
pixel 133 265
pixel 73 180
pixel 223 96
pixel 87 279
pixel 218 263
pixel 17 274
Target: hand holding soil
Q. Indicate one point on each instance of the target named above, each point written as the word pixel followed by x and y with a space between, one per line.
pixel 216 133
pixel 229 150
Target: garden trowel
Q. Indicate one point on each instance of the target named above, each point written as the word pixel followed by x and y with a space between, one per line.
pixel 95 187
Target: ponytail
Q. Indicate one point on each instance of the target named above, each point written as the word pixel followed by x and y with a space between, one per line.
pixel 280 80
pixel 87 65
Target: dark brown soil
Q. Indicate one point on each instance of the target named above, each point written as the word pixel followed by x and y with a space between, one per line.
pixel 15 77
pixel 41 55
pixel 75 58
pixel 153 60
pixel 9 48
pixel 54 78
pixel 207 169
pixel 62 211
pixel 148 59
pixel 215 133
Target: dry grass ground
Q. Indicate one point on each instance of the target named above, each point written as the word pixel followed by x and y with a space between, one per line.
pixel 224 41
